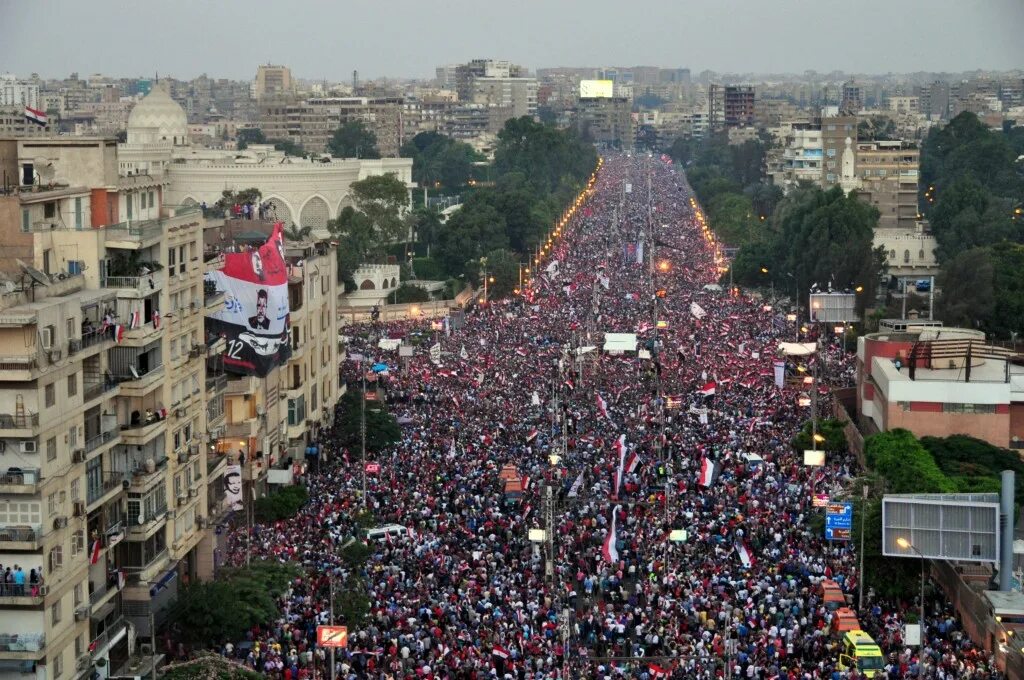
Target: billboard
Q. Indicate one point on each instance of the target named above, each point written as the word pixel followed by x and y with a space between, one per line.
pixel 941 526
pixel 833 307
pixel 594 89
pixel 255 319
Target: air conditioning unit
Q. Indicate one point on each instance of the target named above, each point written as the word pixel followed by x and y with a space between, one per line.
pixel 78 456
pixel 146 649
pixel 83 661
pixel 181 499
pixel 81 614
pixel 44 590
pixel 60 522
pixel 27 446
pixel 46 338
pixel 193 492
pixel 201 521
pixel 79 508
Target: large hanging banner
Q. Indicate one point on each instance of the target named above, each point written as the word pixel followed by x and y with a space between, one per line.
pixel 254 321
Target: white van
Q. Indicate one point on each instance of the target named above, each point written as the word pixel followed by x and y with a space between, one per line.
pixel 753 461
pixel 397 532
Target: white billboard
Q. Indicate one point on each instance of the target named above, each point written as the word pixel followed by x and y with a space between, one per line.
pixel 593 89
pixel 941 526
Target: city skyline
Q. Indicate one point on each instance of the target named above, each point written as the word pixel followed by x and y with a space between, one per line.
pixel 705 36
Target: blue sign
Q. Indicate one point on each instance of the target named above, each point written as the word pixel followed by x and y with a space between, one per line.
pixel 838 521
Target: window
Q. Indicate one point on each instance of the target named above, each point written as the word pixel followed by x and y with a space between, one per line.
pixel 49 210
pixel 51 449
pixel 78 214
pixel 26 220
pixel 171 259
pixel 22 512
pixel 51 503
pixel 72 384
pixel 128 201
pixel 906 256
pixel 76 491
pixel 50 395
pixel 77 543
pixel 968 408
pixel 58 661
pixel 56 561
pixel 181 259
pixel 920 254
pixel 152 200
pixel 892 254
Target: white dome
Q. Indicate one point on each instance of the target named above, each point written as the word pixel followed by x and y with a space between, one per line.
pixel 158 119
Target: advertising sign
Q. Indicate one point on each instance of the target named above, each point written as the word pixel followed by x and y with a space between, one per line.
pixel 595 89
pixel 372 468
pixel 820 500
pixel 255 319
pixel 332 636
pixel 838 521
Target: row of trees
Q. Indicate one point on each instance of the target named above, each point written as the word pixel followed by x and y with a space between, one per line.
pixel 810 236
pixel 972 194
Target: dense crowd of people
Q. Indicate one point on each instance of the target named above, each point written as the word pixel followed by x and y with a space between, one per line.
pixel 688 436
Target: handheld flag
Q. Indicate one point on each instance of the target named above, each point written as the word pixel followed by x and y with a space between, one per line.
pixel 602 406
pixel 609 550
pixel 709 389
pixel 708 471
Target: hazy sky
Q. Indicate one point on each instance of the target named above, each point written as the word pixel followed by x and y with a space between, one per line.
pixel 330 38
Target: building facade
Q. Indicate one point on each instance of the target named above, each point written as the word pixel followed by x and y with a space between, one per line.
pixel 272 80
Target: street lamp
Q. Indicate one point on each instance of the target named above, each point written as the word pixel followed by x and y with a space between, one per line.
pixel 907 545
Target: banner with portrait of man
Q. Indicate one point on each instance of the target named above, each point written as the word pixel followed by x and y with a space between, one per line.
pixel 233 487
pixel 255 319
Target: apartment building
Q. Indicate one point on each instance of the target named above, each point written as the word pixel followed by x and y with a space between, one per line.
pixel 311 122
pixel 835 130
pixel 272 80
pixel 606 120
pixel 887 178
pixel 102 385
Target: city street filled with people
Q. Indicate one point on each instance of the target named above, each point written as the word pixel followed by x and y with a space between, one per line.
pixel 681 543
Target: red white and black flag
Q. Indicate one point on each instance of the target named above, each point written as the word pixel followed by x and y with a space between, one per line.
pixel 255 320
pixel 610 550
pixel 708 471
pixel 36 116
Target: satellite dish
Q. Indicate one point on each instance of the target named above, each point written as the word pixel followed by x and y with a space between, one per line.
pixel 44 168
pixel 7 286
pixel 34 274
pixel 142 518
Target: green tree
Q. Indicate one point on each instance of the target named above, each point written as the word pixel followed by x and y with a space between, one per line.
pixel 281 504
pixel 967 147
pixel 356 240
pixel 502 273
pixel 906 465
pixel 967 216
pixel 733 218
pixel 438 159
pixel 383 199
pixel 289 147
pixel 353 140
pixel 408 293
pixel 829 428
pixel 470 233
pixel 246 136
pixel 206 666
pixel 425 225
pixel 967 294
pixel 382 429
pixel 296 233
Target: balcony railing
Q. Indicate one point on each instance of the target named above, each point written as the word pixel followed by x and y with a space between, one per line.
pixel 135 231
pixel 19 477
pixel 22 642
pixel 93 443
pixel 20 534
pixel 135 282
pixel 216 383
pixel 18 421
pixel 22 590
pixel 108 482
pixel 121 377
pixel 91 391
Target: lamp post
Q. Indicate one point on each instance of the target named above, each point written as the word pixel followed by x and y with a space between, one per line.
pixel 905 544
pixel 860 570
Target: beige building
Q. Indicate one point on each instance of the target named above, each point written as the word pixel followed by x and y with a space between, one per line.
pixel 887 177
pixel 311 122
pixel 272 80
pixel 103 324
pixel 606 120
pixel 835 130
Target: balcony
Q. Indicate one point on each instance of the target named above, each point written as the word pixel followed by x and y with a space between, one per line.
pixel 110 484
pixel 19 424
pixel 96 390
pixel 245 429
pixel 139 383
pixel 248 384
pixel 22 646
pixel 133 235
pixel 26 594
pixel 144 531
pixel 19 367
pixel 215 383
pixel 102 592
pixel 143 333
pixel 135 287
pixel 21 537
pixel 143 432
pixel 94 338
pixel 20 481
pixel 100 440
pixel 142 479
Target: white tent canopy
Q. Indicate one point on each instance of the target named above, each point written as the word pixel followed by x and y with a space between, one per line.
pixel 798 349
pixel 620 342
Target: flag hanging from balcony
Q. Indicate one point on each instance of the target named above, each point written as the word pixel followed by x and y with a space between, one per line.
pixel 94 553
pixel 256 319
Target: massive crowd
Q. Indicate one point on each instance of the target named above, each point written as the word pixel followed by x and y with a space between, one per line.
pixel 465 594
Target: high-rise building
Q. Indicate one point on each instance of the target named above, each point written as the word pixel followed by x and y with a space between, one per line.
pixel 738 106
pixel 851 101
pixel 606 120
pixel 887 178
pixel 312 122
pixel 16 92
pixel 272 80
pixel 834 132
pixel 491 82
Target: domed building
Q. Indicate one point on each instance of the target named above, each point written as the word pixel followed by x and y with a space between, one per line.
pixel 158 119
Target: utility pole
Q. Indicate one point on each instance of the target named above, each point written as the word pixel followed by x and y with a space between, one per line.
pixel 362 435
pixel 860 569
pixel 330 580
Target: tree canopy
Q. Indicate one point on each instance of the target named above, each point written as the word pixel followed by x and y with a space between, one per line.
pixel 353 140
pixel 983 288
pixel 440 160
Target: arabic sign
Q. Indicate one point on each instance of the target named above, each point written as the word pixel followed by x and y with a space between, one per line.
pixel 255 320
pixel 820 500
pixel 838 521
pixel 372 468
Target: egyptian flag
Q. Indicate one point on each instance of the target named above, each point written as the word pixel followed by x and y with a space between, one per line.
pixel 500 652
pixel 709 389
pixel 36 116
pixel 94 554
pixel 156 319
pixel 609 551
pixel 568 383
pixel 602 406
pixel 574 490
pixel 620 446
pixel 657 671
pixel 633 462
pixel 708 471
pixel 118 333
pixel 134 320
pixel 745 555
pixel 533 435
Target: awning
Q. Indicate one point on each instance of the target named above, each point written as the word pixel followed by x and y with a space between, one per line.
pixel 798 349
pixel 101 613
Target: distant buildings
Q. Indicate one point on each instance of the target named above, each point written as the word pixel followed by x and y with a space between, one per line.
pixel 491 82
pixel 606 121
pixel 272 81
pixel 15 92
pixel 311 122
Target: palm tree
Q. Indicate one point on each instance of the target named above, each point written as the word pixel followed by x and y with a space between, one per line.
pixel 296 233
